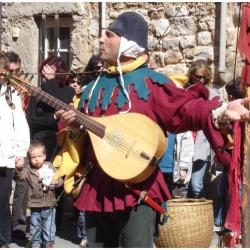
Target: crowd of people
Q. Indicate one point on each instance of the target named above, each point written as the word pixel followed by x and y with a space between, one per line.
pixel 116 82
pixel 190 158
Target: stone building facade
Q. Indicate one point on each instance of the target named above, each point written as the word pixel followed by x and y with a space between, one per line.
pixel 179 33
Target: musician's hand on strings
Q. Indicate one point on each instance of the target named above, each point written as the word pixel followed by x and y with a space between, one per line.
pixel 67 118
pixel 49 71
pixel 236 110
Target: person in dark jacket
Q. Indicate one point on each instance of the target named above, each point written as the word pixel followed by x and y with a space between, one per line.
pixel 41 198
pixel 40 116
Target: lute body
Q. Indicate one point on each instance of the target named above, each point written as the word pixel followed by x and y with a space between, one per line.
pixel 130 147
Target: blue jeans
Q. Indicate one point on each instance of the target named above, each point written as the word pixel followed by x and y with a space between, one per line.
pixel 197 182
pixel 45 235
pixel 197 190
pixel 81 228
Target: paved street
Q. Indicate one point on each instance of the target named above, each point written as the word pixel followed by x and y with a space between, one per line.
pixel 66 237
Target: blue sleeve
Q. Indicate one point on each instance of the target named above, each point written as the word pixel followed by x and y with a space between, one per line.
pixel 167 162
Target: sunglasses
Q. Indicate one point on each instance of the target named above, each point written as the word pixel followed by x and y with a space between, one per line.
pixel 71 82
pixel 14 71
pixel 200 77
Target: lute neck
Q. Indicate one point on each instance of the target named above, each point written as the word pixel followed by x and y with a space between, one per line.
pixel 83 120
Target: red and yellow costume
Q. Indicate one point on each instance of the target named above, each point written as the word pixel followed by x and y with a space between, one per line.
pixel 155 96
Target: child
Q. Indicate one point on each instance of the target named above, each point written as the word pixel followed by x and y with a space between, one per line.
pixel 41 197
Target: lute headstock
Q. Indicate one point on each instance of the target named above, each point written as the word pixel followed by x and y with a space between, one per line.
pixel 20 81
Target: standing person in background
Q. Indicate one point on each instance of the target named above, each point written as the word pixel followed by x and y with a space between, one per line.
pixel 14 67
pixel 14 143
pixel 77 81
pixel 21 188
pixel 14 62
pixel 41 201
pixel 182 154
pixel 74 80
pixel 167 161
pixel 203 154
pixel 94 67
pixel 176 163
pixel 180 158
pixel 183 163
pixel 40 116
pixel 114 215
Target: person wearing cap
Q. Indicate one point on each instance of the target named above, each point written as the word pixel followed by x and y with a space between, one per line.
pixel 114 217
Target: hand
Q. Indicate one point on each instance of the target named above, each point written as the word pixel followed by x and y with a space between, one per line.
pixel 183 175
pixel 67 118
pixel 19 162
pixel 236 110
pixel 49 71
pixel 54 182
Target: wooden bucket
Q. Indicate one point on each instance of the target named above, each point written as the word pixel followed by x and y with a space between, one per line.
pixel 190 224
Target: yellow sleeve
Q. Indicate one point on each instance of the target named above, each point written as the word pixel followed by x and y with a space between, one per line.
pixel 179 79
pixel 69 157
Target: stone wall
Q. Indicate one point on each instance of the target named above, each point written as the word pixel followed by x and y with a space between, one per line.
pixel 179 33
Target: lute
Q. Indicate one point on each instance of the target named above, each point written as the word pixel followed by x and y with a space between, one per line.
pixel 127 146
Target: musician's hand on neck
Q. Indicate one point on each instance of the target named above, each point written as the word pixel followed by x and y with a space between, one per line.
pixel 67 118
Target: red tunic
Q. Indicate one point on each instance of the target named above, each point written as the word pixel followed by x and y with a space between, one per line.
pixel 175 110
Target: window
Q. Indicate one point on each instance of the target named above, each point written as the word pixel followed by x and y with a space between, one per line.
pixel 55 32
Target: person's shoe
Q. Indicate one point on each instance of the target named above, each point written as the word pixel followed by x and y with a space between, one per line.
pixel 18 234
